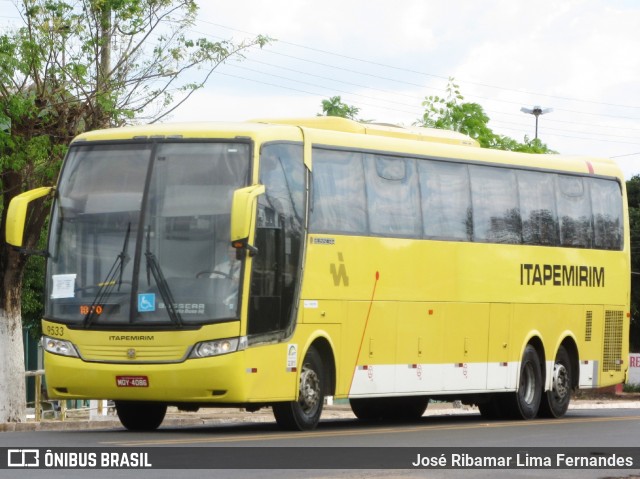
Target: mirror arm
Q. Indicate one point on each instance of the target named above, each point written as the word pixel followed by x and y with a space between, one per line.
pixel 241 246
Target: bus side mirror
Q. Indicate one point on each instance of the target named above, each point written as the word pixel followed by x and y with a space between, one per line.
pixel 242 212
pixel 17 214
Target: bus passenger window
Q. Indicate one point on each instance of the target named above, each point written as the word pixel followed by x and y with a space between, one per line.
pixel 538 208
pixel 338 193
pixel 393 200
pixel 574 212
pixel 496 215
pixel 446 204
pixel 606 202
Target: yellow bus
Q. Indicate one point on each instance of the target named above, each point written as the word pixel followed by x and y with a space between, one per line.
pixel 276 263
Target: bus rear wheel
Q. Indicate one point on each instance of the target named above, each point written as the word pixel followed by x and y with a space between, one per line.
pixel 304 414
pixel 140 416
pixel 525 402
pixel 555 402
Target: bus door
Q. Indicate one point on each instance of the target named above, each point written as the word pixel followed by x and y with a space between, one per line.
pixel 279 238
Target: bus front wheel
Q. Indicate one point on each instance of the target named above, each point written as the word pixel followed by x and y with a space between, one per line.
pixel 140 416
pixel 304 414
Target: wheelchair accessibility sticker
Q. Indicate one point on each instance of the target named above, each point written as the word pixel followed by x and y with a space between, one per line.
pixel 146 302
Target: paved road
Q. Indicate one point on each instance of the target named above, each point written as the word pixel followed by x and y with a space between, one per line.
pixel 592 426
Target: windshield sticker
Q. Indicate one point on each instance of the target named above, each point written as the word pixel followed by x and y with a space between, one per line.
pixel 63 286
pixel 186 308
pixel 146 302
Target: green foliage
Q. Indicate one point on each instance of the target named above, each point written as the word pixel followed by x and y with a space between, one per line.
pixel 33 295
pixel 335 107
pixel 633 197
pixel 103 62
pixel 631 388
pixel 633 192
pixel 451 113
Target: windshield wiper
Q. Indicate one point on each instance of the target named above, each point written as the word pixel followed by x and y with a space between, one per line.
pixel 106 287
pixel 153 268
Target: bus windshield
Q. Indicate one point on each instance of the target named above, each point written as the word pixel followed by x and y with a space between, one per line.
pixel 140 234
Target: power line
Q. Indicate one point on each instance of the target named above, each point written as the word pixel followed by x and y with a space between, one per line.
pixel 557 132
pixel 298 90
pixel 628 154
pixel 490 111
pixel 524 127
pixel 432 75
pixel 280 67
pixel 405 82
pixel 498 100
pixel 319 86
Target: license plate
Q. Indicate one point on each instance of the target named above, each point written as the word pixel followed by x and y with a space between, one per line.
pixel 132 381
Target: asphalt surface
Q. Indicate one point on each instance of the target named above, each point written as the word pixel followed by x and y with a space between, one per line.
pixel 78 419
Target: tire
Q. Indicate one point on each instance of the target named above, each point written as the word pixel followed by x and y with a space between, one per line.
pixel 555 402
pixel 141 416
pixel 492 408
pixel 304 414
pixel 525 402
pixel 407 408
pixel 367 409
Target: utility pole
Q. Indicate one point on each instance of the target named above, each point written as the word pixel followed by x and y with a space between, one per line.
pixel 536 111
pixel 103 14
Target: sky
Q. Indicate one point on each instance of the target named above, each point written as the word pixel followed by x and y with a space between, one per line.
pixel 579 58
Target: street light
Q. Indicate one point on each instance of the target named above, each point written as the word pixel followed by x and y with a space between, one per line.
pixel 536 111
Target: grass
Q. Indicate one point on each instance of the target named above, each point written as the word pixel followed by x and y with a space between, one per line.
pixel 631 388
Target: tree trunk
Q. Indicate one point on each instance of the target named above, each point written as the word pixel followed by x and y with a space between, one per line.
pixel 12 392
pixel 12 366
pixel 12 379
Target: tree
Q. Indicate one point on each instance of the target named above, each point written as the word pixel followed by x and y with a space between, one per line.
pixel 72 67
pixel 335 107
pixel 633 199
pixel 451 113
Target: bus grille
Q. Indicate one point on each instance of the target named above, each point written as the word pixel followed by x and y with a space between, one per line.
pixel 137 354
pixel 612 354
pixel 588 326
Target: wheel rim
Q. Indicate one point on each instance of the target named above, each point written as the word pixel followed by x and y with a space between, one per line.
pixel 309 390
pixel 560 381
pixel 528 384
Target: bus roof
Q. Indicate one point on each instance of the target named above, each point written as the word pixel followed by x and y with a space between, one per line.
pixel 378 129
pixel 347 133
pixel 204 129
pixel 343 125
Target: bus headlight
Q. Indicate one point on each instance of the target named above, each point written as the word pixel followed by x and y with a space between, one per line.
pixel 59 346
pixel 206 349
